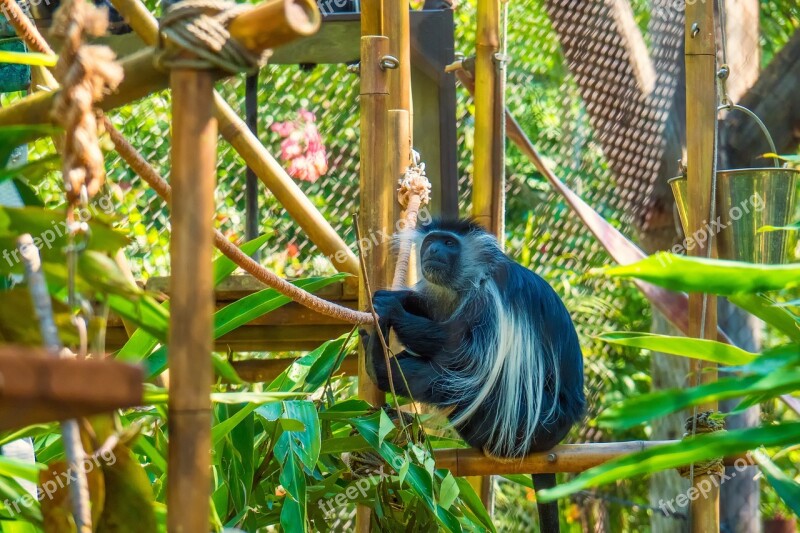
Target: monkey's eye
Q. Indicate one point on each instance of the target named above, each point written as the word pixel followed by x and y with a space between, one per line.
pixel 449 242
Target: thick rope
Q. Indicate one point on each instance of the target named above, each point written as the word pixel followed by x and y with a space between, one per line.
pixel 86 73
pixel 194 34
pixel 703 423
pixel 414 192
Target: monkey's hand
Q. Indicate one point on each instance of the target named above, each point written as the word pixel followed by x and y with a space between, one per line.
pixel 389 306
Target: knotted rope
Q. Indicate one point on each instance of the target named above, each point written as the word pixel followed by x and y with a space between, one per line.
pixel 194 35
pixel 413 194
pixel 86 73
pixel 703 423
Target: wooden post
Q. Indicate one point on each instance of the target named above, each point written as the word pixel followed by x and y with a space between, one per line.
pixel 397 26
pixel 701 116
pixel 488 172
pixel 194 162
pixel 377 199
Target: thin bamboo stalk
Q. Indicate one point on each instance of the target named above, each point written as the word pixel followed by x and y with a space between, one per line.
pixel 377 201
pixel 485 153
pixel 701 118
pixel 562 458
pixel 194 149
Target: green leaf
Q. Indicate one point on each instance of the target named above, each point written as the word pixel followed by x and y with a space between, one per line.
pixel 13 136
pixel 474 504
pixel 17 468
pixel 219 431
pixel 713 276
pixel 224 266
pixel 649 406
pixel 787 488
pixel 144 311
pixel 310 371
pixel 257 398
pixel 224 369
pixel 28 58
pixel 700 448
pixel 449 491
pixel 706 350
pixel 767 310
pixel 417 477
pixel 34 171
pixel 794 226
pixel 45 225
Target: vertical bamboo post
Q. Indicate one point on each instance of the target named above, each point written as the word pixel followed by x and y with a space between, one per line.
pixel 377 199
pixel 488 172
pixel 488 175
pixel 372 17
pixel 701 116
pixel 397 27
pixel 194 155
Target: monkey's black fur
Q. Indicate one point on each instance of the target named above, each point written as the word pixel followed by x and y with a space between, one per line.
pixel 485 338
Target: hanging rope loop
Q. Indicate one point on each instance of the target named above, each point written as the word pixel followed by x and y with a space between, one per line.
pixel 703 422
pixel 194 34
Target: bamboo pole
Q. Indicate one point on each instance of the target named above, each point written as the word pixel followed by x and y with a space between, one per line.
pixel 194 163
pixel 377 201
pixel 488 181
pixel 701 117
pixel 563 458
pixel 372 17
pixel 396 24
pixel 486 203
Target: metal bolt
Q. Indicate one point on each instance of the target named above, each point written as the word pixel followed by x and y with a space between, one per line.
pixel 724 72
pixel 551 457
pixel 354 68
pixel 389 63
pixel 695 29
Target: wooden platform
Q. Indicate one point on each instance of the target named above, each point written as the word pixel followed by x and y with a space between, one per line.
pixel 290 328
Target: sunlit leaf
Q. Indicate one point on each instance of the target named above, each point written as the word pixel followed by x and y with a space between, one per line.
pixel 786 487
pixel 706 350
pixel 713 276
pixel 649 406
pixel 657 458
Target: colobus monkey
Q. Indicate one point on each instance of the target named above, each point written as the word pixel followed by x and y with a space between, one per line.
pixel 487 339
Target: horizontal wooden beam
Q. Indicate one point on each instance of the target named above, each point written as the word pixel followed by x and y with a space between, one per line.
pixel 262 370
pixel 36 387
pixel 563 458
pixel 291 327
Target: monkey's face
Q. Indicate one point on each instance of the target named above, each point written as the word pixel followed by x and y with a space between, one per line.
pixel 439 257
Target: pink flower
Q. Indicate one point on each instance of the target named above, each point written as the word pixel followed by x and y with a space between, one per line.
pixel 302 147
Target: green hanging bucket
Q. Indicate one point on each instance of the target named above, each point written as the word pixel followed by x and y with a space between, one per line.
pixel 747 200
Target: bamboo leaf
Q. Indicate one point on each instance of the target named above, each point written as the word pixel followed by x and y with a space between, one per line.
pixel 706 350
pixel 787 488
pixel 700 448
pixel 649 406
pixel 713 276
pixel 770 312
